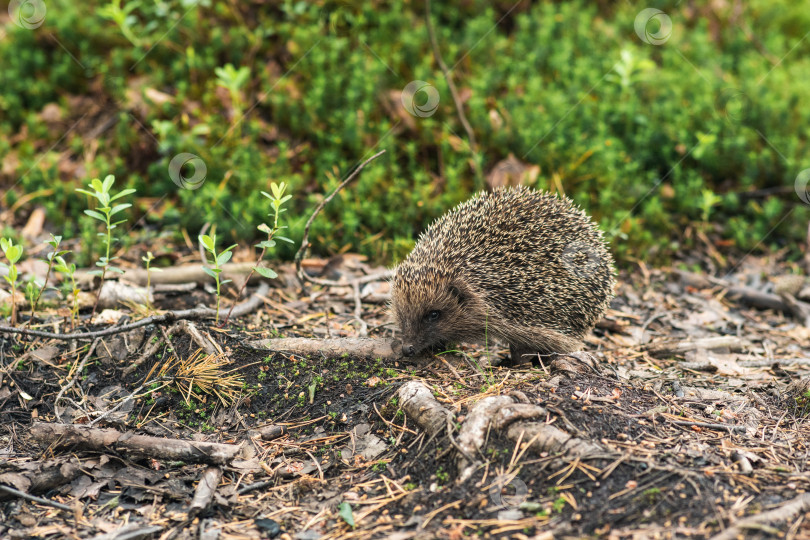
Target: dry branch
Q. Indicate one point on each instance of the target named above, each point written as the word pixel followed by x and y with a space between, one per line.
pixel 418 402
pixel 299 256
pixel 332 348
pixel 32 498
pixel 192 273
pixel 44 477
pixel 737 293
pixel 787 511
pixel 680 347
pixel 204 493
pixel 170 316
pixel 95 439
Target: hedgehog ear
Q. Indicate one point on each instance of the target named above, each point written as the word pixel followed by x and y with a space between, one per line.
pixel 459 296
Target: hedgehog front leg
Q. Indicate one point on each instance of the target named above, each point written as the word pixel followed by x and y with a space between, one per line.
pixel 527 342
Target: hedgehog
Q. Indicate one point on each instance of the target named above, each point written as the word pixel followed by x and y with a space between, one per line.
pixel 521 265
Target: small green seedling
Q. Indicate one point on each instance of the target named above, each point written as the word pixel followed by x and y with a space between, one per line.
pixel 233 80
pixel 61 266
pixel 54 243
pixel 104 213
pixel 218 260
pixel 123 17
pixel 277 200
pixel 13 253
pixel 148 260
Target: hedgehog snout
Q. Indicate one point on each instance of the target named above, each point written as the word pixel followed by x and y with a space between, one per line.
pixel 408 349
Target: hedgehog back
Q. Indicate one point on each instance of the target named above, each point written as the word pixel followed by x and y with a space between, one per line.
pixel 537 258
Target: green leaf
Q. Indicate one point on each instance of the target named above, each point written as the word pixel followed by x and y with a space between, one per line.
pixel 114 269
pixel 14 253
pixel 12 274
pixel 118 208
pixel 97 186
pixel 207 242
pixel 55 242
pixel 265 228
pixel 223 258
pixel 345 511
pixel 94 273
pixel 108 183
pixel 285 239
pixel 4 244
pixel 123 193
pixel 96 215
pixel 211 272
pixel 269 273
pixel 224 281
pixel 266 244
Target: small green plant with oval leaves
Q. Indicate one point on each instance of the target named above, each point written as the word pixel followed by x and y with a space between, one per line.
pixel 218 260
pixel 13 253
pixel 104 212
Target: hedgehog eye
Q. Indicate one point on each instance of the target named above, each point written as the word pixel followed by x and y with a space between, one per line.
pixel 433 315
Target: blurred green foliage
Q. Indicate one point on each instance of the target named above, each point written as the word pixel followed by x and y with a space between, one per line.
pixel 708 129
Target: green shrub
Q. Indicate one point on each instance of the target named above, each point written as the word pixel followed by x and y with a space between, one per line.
pixel 652 140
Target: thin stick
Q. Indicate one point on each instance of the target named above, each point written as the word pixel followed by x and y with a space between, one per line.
pixel 305 240
pixel 40 500
pixel 706 425
pixel 170 316
pixel 453 92
pixel 76 375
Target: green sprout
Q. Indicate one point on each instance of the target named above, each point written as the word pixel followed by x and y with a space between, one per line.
pixel 61 266
pixel 148 260
pixel 233 80
pixel 104 213
pixel 13 253
pixel 54 243
pixel 277 200
pixel 218 260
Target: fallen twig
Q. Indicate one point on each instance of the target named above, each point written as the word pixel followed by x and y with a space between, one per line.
pixel 204 493
pixel 359 347
pixel 679 347
pixel 33 498
pixel 299 256
pixel 793 507
pixel 96 439
pixel 183 274
pixel 170 316
pixel 76 374
pixel 418 402
pixel 707 425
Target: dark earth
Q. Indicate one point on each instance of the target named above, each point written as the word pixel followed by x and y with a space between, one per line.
pixel 696 440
